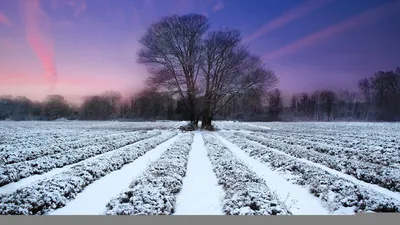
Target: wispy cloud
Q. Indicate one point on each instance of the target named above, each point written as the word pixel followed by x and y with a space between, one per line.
pixel 218 6
pixel 38 36
pixel 331 31
pixel 4 19
pixel 78 5
pixel 287 17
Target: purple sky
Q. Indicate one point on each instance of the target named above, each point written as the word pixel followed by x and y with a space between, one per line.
pixel 81 47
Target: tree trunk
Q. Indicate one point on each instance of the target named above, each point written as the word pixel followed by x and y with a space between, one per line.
pixel 207 114
pixel 192 108
pixel 206 122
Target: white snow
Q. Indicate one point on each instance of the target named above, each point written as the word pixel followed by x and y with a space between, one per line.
pixel 200 194
pixel 93 199
pixel 31 141
pixel 11 187
pixel 256 126
pixel 300 201
pixel 375 187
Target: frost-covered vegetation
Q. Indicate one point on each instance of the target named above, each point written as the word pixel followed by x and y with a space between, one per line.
pixel 343 168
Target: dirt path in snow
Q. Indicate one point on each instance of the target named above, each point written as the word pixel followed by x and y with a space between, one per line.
pixel 200 194
pixel 93 199
pixel 297 198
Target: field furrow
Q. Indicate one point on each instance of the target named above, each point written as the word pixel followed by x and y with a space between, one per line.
pixel 338 140
pixel 200 186
pixel 337 193
pixel 93 199
pixel 55 192
pixel 26 154
pixel 371 173
pixel 131 167
pixel 297 199
pixel 380 157
pixel 245 192
pixel 153 193
pixel 17 171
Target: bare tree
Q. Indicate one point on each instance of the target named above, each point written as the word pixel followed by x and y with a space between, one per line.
pixel 365 89
pixel 304 102
pixel 345 104
pixel 228 71
pixel 327 100
pixel 316 105
pixel 23 108
pixel 386 93
pixel 114 99
pixel 96 108
pixel 184 62
pixel 275 104
pixel 172 50
pixel 293 103
pixel 56 106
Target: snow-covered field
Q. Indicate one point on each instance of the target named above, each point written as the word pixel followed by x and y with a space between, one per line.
pixel 150 168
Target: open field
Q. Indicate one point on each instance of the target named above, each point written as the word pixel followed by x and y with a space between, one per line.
pixel 149 168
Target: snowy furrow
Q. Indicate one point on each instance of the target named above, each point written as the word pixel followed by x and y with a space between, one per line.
pixel 177 125
pixel 388 146
pixel 93 199
pixel 24 154
pixel 297 198
pixel 371 173
pixel 47 134
pixel 336 192
pixel 383 133
pixel 380 157
pixel 200 186
pixel 153 193
pixel 17 171
pixel 231 125
pixel 25 134
pixel 245 192
pixel 12 141
pixel 372 133
pixel 56 192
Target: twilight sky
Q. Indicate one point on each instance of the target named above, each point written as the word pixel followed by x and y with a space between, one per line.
pixel 83 47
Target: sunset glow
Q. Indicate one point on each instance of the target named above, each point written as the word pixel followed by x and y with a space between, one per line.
pixel 83 47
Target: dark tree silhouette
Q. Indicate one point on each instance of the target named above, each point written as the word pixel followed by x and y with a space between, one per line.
pixel 172 50
pixel 230 70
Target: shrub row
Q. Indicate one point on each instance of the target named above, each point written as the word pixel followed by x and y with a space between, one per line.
pixel 153 192
pixel 55 192
pixel 245 192
pixel 335 192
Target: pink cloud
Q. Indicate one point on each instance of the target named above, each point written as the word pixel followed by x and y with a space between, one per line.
pixel 287 17
pixel 331 31
pixel 38 37
pixel 218 6
pixel 4 19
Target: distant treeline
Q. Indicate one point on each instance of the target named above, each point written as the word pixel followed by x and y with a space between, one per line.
pixel 378 99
